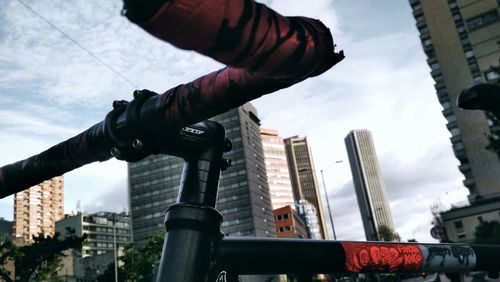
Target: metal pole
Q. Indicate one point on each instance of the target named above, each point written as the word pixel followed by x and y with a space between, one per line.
pixel 114 247
pixel 328 206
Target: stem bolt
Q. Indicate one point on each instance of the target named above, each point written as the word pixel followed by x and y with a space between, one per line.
pixel 137 144
pixel 115 152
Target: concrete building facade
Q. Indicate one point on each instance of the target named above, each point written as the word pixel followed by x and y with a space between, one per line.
pixel 303 177
pixel 289 224
pixel 461 41
pixel 278 176
pixel 368 183
pixel 37 209
pixel 460 223
pixel 103 229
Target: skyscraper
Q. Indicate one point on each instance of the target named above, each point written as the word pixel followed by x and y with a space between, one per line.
pixel 243 198
pixel 303 176
pixel 278 176
pixel 37 209
pixel 368 183
pixel 460 39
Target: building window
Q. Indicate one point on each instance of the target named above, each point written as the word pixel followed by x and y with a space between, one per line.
pixel 469 54
pixel 423 29
pixel 478 78
pixel 435 66
pixel 446 105
pixel 451 118
pixel 491 75
pixel 483 20
pixel 458 146
pixel 461 29
pixel 455 131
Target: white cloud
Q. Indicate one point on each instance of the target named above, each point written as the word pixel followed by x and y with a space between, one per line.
pixel 51 89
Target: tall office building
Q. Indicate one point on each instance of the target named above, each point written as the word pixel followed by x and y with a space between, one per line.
pixel 243 198
pixel 461 41
pixel 278 176
pixel 368 183
pixel 303 177
pixel 37 209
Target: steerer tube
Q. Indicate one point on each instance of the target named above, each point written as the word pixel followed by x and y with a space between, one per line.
pixel 192 224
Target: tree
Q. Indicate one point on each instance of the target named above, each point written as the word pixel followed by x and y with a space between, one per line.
pixel 40 260
pixel 386 234
pixel 138 261
pixel 7 254
pixel 494 135
pixel 109 274
pixel 487 232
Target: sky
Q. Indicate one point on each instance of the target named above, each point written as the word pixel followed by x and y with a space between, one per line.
pixel 51 89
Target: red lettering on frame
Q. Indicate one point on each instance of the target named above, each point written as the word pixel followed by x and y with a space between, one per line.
pixel 377 257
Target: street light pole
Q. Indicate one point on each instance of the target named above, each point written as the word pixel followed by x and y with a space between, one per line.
pixel 328 202
pixel 328 206
pixel 114 247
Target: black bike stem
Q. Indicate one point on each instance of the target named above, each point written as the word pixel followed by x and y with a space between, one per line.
pixel 192 225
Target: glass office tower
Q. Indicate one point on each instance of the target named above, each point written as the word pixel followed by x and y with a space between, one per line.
pixel 368 183
pixel 243 199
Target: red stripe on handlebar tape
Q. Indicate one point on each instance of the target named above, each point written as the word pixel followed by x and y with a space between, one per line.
pixel 377 257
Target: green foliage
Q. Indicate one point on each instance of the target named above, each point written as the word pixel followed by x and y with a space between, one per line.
pixel 109 274
pixel 494 136
pixel 488 232
pixel 38 261
pixel 8 251
pixel 138 261
pixel 386 234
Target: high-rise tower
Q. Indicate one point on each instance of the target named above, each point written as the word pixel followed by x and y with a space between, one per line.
pixel 243 197
pixel 461 41
pixel 368 183
pixel 278 176
pixel 303 177
pixel 37 209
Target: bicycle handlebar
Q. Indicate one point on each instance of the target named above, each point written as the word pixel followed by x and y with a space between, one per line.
pixel 258 256
pixel 130 132
pixel 63 157
pixel 482 96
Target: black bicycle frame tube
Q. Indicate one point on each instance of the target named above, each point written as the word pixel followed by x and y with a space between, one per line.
pixel 192 224
pixel 303 256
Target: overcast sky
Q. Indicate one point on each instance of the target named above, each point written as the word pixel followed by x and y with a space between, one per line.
pixel 51 90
